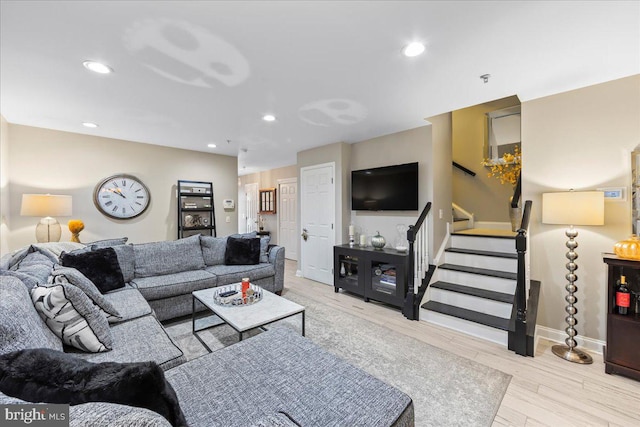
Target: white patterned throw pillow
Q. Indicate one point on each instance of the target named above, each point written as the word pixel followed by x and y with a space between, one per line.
pixel 73 317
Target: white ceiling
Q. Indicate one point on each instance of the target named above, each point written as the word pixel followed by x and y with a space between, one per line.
pixel 192 73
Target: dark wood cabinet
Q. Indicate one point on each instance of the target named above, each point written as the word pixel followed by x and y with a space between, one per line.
pixel 622 352
pixel 379 275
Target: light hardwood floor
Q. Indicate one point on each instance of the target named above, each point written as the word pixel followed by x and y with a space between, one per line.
pixel 544 391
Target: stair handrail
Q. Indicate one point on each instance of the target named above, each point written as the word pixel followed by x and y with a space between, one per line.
pixel 520 345
pixel 463 169
pixel 411 301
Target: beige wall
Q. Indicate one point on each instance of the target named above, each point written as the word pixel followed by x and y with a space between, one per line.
pixel 481 195
pixel 582 140
pixel 410 146
pixel 265 179
pixel 49 161
pixel 4 187
pixel 439 172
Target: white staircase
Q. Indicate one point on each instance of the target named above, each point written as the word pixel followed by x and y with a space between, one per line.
pixel 475 285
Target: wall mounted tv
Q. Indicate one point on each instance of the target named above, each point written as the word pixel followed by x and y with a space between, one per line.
pixel 390 188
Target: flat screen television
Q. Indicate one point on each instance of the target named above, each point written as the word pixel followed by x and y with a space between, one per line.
pixel 390 188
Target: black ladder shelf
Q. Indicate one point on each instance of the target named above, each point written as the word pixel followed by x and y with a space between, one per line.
pixel 196 212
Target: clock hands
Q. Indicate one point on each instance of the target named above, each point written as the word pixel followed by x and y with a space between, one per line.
pixel 118 192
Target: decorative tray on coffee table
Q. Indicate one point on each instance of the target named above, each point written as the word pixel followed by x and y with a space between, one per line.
pixel 220 297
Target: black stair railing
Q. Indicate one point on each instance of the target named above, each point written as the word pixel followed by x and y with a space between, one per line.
pixel 418 266
pixel 520 343
pixel 463 169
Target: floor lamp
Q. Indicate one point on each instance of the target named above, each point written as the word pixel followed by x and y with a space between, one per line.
pixel 572 208
pixel 46 206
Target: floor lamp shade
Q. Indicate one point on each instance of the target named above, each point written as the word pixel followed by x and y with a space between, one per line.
pixel 46 206
pixel 572 208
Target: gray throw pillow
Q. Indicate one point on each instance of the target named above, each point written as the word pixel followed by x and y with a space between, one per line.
pixel 213 249
pixel 62 274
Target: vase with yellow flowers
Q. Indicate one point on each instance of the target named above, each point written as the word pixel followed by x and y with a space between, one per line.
pixel 507 170
pixel 75 227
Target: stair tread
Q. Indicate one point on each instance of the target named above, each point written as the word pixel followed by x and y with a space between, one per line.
pixel 496 235
pixel 460 219
pixel 484 253
pixel 481 271
pixel 470 315
pixel 476 292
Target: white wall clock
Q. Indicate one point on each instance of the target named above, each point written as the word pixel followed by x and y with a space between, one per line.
pixel 121 196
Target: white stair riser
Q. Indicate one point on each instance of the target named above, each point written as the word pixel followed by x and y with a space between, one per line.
pixel 471 328
pixel 483 243
pixel 507 286
pixel 460 225
pixel 481 261
pixel 470 302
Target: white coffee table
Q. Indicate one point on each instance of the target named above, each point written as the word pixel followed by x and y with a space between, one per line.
pixel 269 309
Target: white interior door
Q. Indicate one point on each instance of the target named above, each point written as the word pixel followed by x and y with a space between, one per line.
pixel 288 217
pixel 251 195
pixel 317 207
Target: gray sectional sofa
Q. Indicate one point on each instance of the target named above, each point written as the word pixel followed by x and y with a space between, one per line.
pixel 277 378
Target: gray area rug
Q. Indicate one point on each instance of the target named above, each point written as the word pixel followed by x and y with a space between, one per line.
pixel 447 390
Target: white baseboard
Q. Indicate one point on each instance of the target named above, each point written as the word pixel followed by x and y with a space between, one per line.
pixel 591 344
pixel 299 273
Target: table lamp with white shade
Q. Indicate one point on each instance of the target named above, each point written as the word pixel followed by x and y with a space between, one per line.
pixel 572 208
pixel 46 206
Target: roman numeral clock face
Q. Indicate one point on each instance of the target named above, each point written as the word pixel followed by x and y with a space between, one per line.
pixel 121 197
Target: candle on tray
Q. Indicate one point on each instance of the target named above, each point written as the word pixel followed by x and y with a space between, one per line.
pixel 363 240
pixel 352 230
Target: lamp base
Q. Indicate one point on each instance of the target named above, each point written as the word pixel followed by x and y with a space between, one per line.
pixel 48 230
pixel 572 354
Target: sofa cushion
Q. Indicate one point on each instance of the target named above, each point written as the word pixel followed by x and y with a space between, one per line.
pixel 213 249
pixel 168 285
pixel 159 258
pixel 139 340
pixel 242 251
pixel 129 302
pixel 108 243
pixel 100 266
pixel 62 274
pixel 297 377
pixel 103 414
pixel 264 248
pixel 228 274
pixel 57 248
pixel 73 317
pixel 20 325
pixel 50 376
pixel 33 269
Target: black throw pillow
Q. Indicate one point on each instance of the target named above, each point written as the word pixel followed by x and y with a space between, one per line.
pixel 241 251
pixel 100 266
pixel 51 376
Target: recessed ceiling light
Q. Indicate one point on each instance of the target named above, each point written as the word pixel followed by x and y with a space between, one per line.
pixel 211 145
pixel 413 49
pixel 97 67
pixel 89 125
pixel 268 117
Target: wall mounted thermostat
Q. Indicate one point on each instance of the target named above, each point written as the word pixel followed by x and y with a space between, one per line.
pixel 228 204
pixel 614 194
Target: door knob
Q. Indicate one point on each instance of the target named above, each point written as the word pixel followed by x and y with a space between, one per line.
pixel 305 234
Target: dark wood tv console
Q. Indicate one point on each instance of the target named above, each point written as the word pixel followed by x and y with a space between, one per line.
pixel 379 275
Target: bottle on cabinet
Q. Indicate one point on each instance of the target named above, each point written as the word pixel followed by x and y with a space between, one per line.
pixel 623 297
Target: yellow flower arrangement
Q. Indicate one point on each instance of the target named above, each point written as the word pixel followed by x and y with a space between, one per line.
pixel 508 168
pixel 75 227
